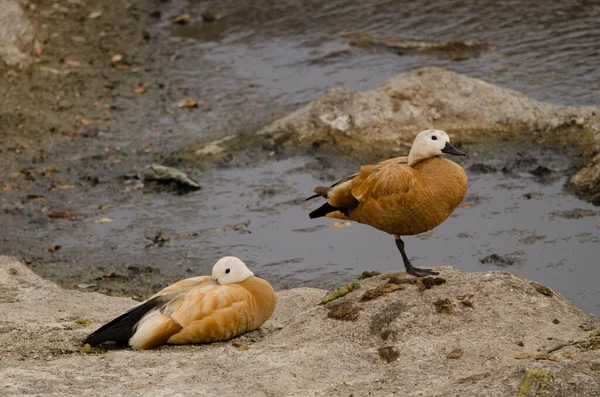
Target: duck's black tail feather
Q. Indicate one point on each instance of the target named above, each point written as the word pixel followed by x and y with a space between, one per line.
pixel 122 328
pixel 326 209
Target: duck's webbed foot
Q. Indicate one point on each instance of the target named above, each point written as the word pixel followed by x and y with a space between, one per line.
pixel 420 272
pixel 410 269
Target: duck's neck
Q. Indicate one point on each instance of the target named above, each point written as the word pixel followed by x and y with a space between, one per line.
pixel 415 158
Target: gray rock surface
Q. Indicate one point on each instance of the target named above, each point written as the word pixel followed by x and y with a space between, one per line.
pixel 460 338
pixel 16 33
pixel 384 121
pixel 161 173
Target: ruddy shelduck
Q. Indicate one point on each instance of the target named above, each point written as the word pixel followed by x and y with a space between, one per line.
pixel 401 196
pixel 195 310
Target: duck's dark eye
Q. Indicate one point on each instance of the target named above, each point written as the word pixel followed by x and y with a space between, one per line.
pixel 227 271
pixel 434 138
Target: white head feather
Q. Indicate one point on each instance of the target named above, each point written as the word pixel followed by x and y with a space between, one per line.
pixel 431 143
pixel 230 270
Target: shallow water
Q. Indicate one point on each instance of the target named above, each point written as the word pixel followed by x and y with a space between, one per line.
pixel 292 51
pixel 283 245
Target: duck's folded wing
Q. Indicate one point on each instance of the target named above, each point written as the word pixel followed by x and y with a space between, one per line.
pixel 340 189
pixel 184 285
pixel 221 324
pixel 218 314
pixel 375 183
pixel 122 328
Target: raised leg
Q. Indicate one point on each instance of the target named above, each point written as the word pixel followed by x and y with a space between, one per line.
pixel 410 269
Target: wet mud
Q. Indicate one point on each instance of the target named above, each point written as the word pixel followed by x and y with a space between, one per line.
pixel 80 124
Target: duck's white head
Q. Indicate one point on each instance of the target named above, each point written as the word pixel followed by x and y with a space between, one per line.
pixel 230 270
pixel 431 143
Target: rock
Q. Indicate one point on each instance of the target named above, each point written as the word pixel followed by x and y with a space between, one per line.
pixel 383 122
pixel 15 33
pixel 497 260
pixel 163 174
pixel 399 345
pixel 64 104
pixel 586 182
pixel 453 49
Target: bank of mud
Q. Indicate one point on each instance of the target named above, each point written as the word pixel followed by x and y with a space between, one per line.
pixel 94 95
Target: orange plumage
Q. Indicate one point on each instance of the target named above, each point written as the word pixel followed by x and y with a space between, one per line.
pixel 401 196
pixel 195 310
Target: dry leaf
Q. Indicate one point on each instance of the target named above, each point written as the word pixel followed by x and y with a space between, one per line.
pixel 116 58
pixel 182 19
pixel 131 188
pixel 42 209
pixel 188 103
pixel 6 188
pixel 54 248
pixel 65 186
pixel 240 345
pixel 103 220
pixel 60 214
pixel 37 48
pixel 35 197
pixel 340 225
pixel 140 88
pixel 455 354
pixel 84 121
pixel 71 62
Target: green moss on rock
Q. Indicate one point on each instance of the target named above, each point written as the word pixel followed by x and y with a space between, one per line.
pixel 341 291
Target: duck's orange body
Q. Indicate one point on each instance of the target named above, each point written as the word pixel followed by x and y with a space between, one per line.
pixel 402 196
pixel 194 310
pixel 399 199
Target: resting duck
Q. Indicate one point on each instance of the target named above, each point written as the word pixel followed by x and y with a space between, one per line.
pixel 195 310
pixel 401 196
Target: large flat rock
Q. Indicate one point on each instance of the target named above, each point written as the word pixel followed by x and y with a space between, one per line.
pixel 484 334
pixel 16 34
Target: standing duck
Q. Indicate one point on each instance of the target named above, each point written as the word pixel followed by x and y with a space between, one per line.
pixel 195 310
pixel 401 196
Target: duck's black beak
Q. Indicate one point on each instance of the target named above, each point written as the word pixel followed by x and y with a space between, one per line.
pixel 450 149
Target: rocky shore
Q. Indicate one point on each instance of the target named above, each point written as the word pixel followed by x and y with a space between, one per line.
pixel 485 334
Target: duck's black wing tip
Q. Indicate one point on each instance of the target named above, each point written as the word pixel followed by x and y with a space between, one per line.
pixel 122 328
